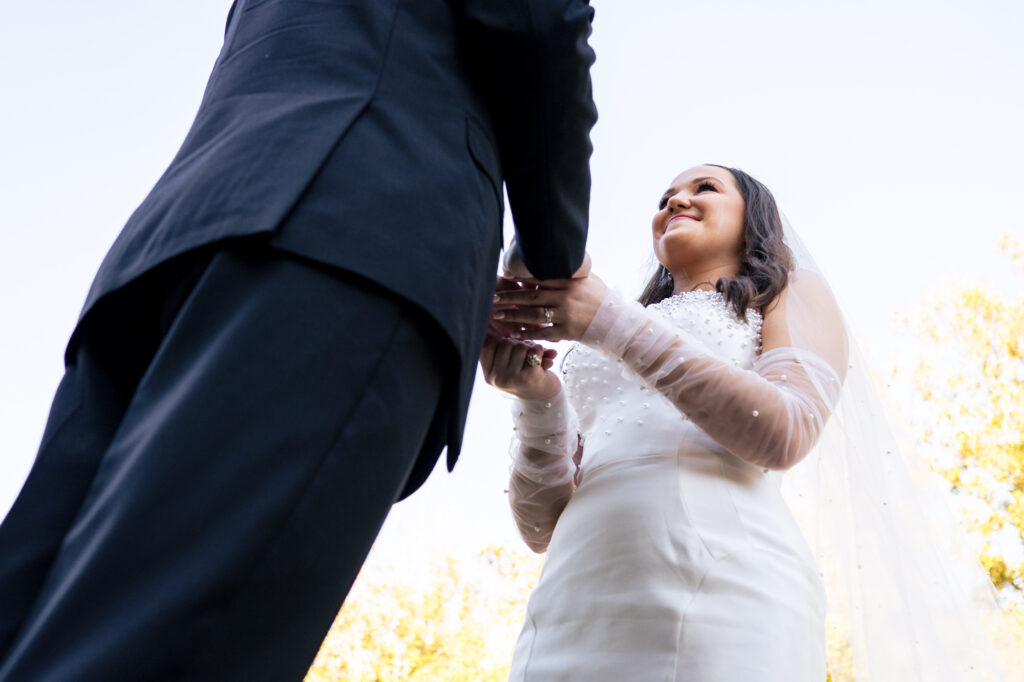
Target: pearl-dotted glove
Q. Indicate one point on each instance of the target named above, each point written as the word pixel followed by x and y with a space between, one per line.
pixel 542 473
pixel 769 416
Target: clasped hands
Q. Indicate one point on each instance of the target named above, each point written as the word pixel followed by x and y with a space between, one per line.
pixel 527 310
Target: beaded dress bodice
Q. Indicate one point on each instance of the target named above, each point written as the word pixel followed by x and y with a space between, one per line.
pixel 620 415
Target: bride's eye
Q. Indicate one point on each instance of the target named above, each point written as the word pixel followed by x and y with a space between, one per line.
pixel 663 203
pixel 706 185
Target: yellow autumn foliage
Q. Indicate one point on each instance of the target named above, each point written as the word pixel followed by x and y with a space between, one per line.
pixel 978 406
pixel 971 380
pixel 460 626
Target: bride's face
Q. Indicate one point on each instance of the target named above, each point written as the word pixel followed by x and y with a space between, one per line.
pixel 700 220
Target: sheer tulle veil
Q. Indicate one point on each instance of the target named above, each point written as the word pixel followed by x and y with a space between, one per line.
pixel 908 597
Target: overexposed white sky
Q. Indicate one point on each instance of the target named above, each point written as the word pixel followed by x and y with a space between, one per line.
pixel 889 130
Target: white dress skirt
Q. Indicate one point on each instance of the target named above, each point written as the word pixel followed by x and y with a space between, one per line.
pixel 674 560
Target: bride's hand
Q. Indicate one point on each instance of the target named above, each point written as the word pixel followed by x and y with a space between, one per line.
pixel 507 365
pixel 495 327
pixel 565 306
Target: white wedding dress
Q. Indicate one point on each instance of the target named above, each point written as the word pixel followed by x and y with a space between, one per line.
pixel 674 559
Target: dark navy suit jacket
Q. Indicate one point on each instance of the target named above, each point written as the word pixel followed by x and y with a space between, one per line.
pixel 374 136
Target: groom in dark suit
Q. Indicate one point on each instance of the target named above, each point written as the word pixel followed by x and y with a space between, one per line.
pixel 284 336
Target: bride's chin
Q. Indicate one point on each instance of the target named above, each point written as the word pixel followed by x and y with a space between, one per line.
pixel 678 238
pixel 674 256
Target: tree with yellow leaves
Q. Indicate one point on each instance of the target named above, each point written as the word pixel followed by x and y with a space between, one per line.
pixel 971 380
pixel 460 626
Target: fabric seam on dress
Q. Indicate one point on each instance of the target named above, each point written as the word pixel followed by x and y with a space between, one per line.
pixel 533 641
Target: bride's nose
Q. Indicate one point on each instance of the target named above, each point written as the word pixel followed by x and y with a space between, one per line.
pixel 678 201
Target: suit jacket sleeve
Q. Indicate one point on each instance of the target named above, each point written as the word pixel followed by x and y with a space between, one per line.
pixel 231 15
pixel 533 63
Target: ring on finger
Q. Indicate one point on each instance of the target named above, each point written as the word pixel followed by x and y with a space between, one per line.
pixel 533 359
pixel 549 315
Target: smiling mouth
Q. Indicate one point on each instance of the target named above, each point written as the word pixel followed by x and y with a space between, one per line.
pixel 677 218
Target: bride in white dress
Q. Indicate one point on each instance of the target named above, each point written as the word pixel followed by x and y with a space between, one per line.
pixel 653 475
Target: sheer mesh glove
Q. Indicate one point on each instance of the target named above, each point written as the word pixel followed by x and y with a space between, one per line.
pixel 545 454
pixel 769 416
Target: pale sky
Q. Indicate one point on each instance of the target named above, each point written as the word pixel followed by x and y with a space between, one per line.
pixel 889 131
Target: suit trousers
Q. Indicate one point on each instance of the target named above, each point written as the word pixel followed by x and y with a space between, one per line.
pixel 228 438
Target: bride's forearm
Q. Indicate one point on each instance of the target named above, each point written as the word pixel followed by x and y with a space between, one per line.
pixel 542 473
pixel 536 507
pixel 770 416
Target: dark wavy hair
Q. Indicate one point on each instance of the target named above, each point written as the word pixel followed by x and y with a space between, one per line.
pixel 766 263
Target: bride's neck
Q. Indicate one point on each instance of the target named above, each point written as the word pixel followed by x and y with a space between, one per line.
pixel 701 276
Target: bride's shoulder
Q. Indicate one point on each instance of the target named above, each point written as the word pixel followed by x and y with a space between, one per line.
pixel 802 284
pixel 806 313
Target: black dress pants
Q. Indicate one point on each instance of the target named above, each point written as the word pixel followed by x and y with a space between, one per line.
pixel 229 436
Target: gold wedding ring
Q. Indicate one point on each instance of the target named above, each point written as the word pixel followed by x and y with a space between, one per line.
pixel 549 315
pixel 533 359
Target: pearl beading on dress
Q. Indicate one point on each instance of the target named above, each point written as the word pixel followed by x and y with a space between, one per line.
pixel 605 393
pixel 693 309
